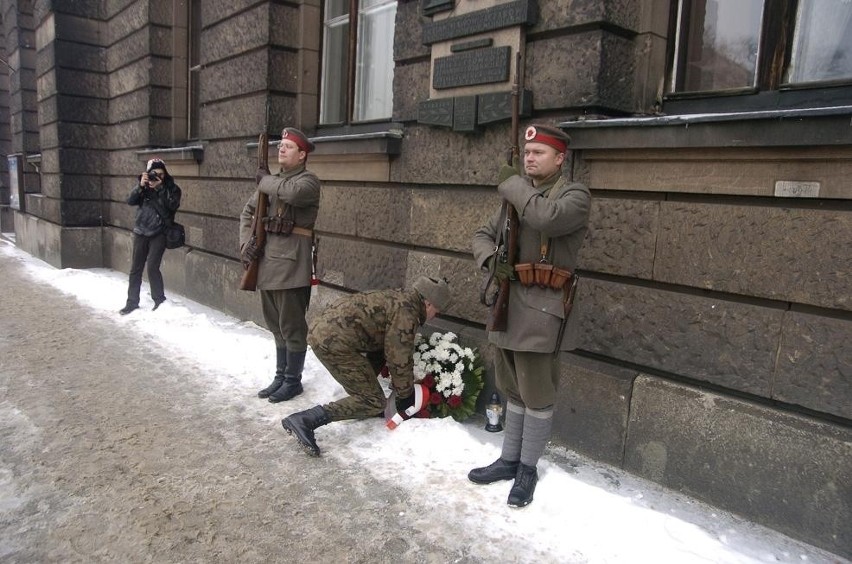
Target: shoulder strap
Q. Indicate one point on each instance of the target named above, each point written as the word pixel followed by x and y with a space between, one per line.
pixel 155 201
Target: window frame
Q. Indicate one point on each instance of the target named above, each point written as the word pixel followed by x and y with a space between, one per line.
pixel 773 57
pixel 193 70
pixel 351 70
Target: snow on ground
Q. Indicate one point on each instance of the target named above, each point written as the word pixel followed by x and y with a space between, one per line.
pixel 583 511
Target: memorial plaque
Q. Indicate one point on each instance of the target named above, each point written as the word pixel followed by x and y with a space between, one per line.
pixel 498 106
pixel 436 112
pixel 520 12
pixel 464 113
pixel 482 66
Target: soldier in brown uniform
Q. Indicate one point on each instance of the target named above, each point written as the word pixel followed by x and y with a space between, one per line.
pixel 353 338
pixel 553 217
pixel 284 274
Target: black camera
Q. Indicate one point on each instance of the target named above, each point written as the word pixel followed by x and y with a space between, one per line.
pixel 154 177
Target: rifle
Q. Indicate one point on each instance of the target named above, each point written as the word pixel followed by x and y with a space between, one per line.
pixel 508 254
pixel 249 280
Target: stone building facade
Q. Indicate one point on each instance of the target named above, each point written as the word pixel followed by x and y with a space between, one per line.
pixel 716 280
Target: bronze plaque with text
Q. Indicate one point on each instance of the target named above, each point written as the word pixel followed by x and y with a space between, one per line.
pixel 482 66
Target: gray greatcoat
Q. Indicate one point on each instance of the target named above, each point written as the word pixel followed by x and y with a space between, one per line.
pixel 535 314
pixel 287 259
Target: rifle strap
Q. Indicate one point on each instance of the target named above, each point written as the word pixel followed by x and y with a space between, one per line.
pixel 492 265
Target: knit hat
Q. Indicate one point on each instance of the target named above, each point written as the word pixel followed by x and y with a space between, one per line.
pixel 556 138
pixel 298 138
pixel 156 162
pixel 436 291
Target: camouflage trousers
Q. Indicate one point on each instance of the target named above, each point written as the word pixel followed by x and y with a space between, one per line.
pixel 358 374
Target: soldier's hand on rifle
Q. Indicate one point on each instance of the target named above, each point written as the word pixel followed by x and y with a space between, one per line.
pixel 261 172
pixel 250 253
pixel 507 171
pixel 502 270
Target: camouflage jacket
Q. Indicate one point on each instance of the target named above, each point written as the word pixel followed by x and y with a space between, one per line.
pixel 379 321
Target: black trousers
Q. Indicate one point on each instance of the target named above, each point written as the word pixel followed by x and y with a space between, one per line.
pixel 147 252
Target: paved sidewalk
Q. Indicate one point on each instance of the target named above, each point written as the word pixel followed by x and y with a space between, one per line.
pixel 114 449
pixel 110 453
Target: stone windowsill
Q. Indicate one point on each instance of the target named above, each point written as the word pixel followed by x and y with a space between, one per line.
pixel 381 142
pixel 793 127
pixel 348 156
pixel 180 161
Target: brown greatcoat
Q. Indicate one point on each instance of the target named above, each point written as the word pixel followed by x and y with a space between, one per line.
pixel 287 259
pixel 535 314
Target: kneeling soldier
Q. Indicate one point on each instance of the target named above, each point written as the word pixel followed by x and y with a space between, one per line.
pixel 353 338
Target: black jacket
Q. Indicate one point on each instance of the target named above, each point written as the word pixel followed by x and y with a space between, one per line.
pixel 149 222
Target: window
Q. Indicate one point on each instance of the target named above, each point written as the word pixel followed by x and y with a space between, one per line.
pixel 749 46
pixel 357 88
pixel 194 65
pixel 822 44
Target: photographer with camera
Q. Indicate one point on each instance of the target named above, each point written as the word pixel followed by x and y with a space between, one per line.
pixel 157 197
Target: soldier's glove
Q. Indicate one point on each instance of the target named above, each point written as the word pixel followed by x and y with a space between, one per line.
pixel 507 171
pixel 261 172
pixel 502 270
pixel 408 406
pixel 403 404
pixel 250 253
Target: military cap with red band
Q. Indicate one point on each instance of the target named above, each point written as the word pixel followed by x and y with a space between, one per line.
pixel 299 138
pixel 547 135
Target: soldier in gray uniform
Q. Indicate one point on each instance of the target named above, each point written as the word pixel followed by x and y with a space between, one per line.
pixel 285 268
pixel 357 335
pixel 553 217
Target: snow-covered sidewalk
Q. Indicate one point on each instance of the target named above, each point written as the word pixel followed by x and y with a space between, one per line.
pixel 583 511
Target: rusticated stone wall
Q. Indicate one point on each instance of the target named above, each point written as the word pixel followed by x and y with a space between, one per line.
pixel 728 309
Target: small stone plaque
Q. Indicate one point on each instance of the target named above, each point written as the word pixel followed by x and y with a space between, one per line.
pixel 436 112
pixel 794 189
pixel 432 7
pixel 497 106
pixel 464 113
pixel 482 66
pixel 475 44
pixel 519 12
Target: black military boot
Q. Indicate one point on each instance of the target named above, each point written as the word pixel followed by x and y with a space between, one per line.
pixel 280 368
pixel 292 385
pixel 498 470
pixel 302 425
pixel 521 493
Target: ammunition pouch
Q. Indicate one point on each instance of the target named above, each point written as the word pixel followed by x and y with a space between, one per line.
pixel 278 225
pixel 543 275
